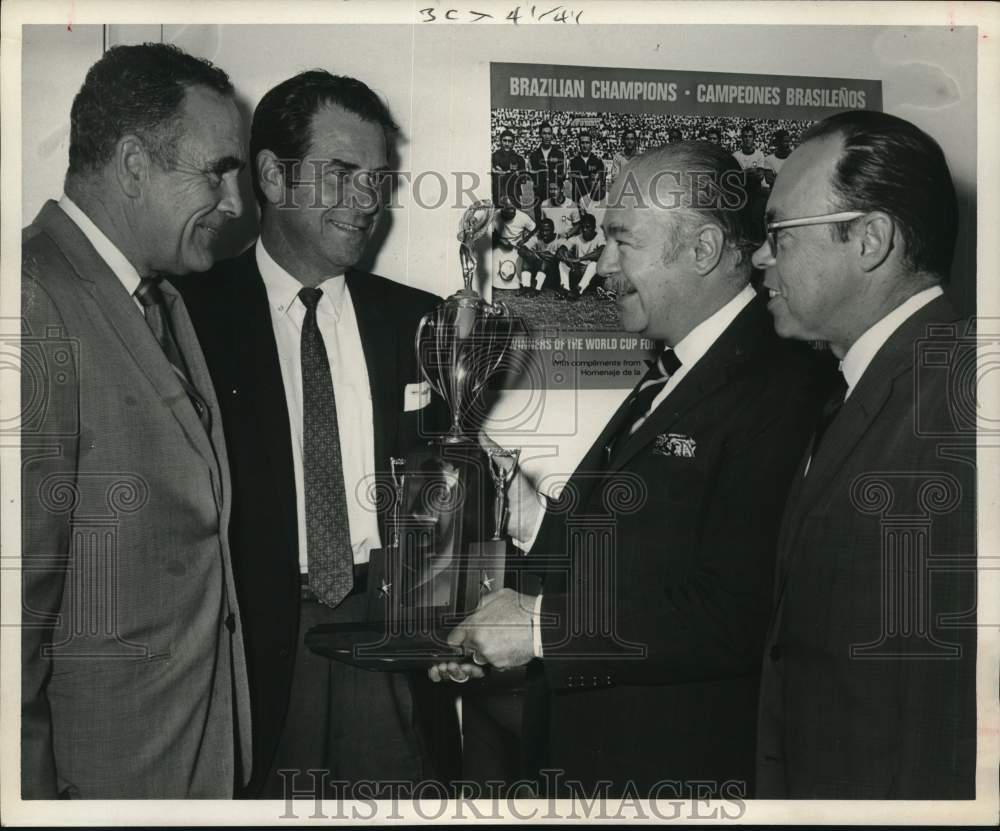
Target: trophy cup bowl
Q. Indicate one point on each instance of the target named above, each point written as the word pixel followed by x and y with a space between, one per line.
pixel 462 343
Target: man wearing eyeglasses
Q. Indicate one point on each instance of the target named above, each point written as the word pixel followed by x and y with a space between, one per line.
pixel 315 366
pixel 868 686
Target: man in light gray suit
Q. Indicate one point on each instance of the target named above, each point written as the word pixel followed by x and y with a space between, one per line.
pixel 133 670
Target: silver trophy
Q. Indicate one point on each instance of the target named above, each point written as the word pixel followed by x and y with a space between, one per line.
pixel 462 343
pixel 460 346
pixel 444 547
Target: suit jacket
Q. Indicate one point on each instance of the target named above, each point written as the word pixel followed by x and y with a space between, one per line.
pixel 868 686
pixel 507 171
pixel 580 172
pixel 659 566
pixel 231 314
pixel 543 171
pixel 133 668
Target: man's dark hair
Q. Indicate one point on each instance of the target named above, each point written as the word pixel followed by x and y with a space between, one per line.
pixel 588 219
pixel 282 121
pixel 543 125
pixel 629 130
pixel 713 131
pixel 136 90
pixel 507 134
pixel 780 134
pixel 888 164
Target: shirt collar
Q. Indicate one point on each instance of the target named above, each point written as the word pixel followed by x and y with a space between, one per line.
pixel 283 289
pixel 864 349
pixel 105 248
pixel 699 340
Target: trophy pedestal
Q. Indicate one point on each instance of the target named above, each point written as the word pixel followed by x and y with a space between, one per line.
pixel 434 570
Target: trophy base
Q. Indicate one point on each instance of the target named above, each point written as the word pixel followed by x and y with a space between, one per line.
pixel 434 573
pixel 369 646
pixel 407 639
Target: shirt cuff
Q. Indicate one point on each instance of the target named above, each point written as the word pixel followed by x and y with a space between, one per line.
pixel 536 627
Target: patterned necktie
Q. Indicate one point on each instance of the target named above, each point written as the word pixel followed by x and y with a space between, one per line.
pixel 154 306
pixel 666 364
pixel 328 535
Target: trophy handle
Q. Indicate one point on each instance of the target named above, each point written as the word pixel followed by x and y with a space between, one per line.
pixel 416 346
pixel 500 310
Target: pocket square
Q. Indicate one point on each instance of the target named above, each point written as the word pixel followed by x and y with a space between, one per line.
pixel 675 444
pixel 416 396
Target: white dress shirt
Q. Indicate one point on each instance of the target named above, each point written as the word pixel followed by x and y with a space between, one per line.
pixel 689 350
pixel 338 327
pixel 693 346
pixel 106 249
pixel 863 350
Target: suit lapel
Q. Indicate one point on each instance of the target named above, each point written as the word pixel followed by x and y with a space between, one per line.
pixel 126 321
pixel 895 358
pixel 256 366
pixel 187 342
pixel 733 348
pixel 379 341
pixel 704 379
pixel 842 436
pixel 736 345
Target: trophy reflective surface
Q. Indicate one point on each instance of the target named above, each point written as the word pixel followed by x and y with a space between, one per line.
pixel 444 546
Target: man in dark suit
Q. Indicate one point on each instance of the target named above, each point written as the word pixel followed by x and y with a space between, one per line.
pixel 657 557
pixel 868 688
pixel 314 362
pixel 546 163
pixel 133 676
pixel 507 170
pixel 587 171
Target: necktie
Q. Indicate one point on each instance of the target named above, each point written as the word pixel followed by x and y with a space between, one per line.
pixel 828 414
pixel 666 364
pixel 157 315
pixel 328 536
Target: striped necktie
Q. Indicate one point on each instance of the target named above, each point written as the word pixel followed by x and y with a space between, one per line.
pixel 665 365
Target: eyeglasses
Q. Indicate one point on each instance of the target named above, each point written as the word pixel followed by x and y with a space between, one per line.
pixel 773 228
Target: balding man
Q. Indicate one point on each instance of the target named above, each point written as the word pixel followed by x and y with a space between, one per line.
pixel 657 559
pixel 869 684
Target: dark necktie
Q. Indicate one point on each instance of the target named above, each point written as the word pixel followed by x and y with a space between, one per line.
pixel 651 385
pixel 328 535
pixel 829 413
pixel 154 306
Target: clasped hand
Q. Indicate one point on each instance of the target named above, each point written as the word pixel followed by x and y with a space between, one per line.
pixel 497 634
